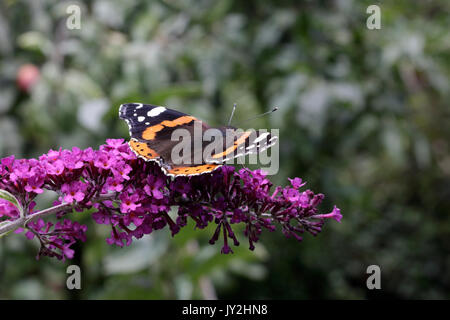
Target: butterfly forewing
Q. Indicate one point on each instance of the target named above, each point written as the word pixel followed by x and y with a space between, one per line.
pixel 145 120
pixel 248 142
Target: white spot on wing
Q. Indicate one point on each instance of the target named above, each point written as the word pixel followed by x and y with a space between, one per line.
pixel 140 119
pixel 261 137
pixel 156 111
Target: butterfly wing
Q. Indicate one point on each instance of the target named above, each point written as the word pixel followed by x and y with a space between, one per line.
pixel 247 142
pixel 151 128
pixel 146 121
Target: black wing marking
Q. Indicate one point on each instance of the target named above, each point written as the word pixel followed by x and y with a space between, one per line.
pixel 140 116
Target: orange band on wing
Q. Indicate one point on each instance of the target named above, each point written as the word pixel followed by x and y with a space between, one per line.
pixel 193 170
pixel 143 149
pixel 220 155
pixel 234 147
pixel 178 121
pixel 242 138
pixel 150 132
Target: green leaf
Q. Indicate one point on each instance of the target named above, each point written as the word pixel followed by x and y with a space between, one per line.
pixel 5 195
pixel 4 223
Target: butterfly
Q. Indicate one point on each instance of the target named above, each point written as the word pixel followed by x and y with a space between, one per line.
pixel 152 129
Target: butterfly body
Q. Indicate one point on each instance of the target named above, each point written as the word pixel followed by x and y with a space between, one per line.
pixel 153 138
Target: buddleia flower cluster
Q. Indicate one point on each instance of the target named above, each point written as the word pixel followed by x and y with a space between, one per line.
pixel 133 198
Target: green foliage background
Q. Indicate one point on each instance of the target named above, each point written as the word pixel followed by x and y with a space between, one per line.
pixel 364 118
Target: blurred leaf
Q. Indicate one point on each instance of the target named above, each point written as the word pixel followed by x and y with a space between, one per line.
pixel 34 40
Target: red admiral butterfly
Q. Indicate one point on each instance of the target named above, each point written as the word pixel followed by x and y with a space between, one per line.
pixel 151 129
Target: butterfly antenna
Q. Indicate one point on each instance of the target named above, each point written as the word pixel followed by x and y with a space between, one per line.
pixel 232 114
pixel 261 115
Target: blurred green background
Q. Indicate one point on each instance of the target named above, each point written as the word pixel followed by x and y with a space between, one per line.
pixel 364 118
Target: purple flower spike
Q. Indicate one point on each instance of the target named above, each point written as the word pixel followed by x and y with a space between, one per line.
pixel 133 198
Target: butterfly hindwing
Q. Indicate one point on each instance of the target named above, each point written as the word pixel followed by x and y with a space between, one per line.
pixel 144 150
pixel 191 170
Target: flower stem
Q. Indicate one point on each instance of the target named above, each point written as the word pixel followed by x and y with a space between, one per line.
pixel 23 221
